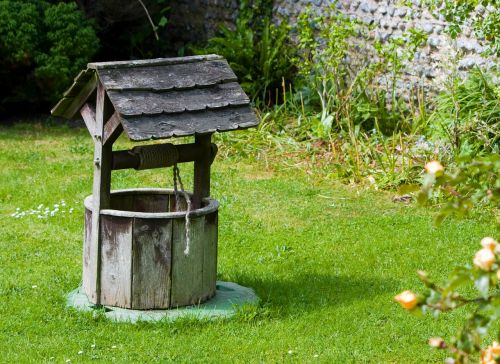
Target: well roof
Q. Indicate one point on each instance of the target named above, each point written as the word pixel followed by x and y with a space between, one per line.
pixel 165 97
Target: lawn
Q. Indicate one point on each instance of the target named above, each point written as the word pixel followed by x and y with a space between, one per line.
pixel 326 260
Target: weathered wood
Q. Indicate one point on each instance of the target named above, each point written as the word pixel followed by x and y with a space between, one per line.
pixel 164 98
pixel 88 282
pixel 210 236
pixel 100 192
pixel 88 115
pixel 141 128
pixel 151 202
pixel 77 95
pixel 116 261
pixel 153 62
pixel 123 159
pixel 143 264
pixel 136 103
pixel 187 270
pixel 152 261
pixel 169 77
pixel 112 129
pixel 80 80
pixel 201 185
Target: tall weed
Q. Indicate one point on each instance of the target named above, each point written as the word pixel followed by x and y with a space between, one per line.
pixel 467 115
pixel 258 51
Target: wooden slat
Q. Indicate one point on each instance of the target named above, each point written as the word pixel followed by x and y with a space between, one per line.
pixel 88 115
pixel 112 129
pixel 80 80
pixel 210 255
pixel 69 106
pixel 100 195
pixel 187 270
pixel 152 257
pixel 188 123
pixel 130 103
pixel 116 261
pixel 201 185
pixel 168 77
pixel 151 203
pixel 88 283
pixel 152 62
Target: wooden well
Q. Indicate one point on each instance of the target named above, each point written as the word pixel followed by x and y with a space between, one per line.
pixel 135 248
pixel 143 264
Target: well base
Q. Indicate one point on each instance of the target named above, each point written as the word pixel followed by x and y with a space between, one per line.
pixel 228 298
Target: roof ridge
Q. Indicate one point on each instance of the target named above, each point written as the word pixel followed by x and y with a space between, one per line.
pixel 153 62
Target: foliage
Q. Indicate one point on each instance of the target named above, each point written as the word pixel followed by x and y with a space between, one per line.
pixel 135 29
pixel 42 47
pixel 482 16
pixel 467 115
pixel 257 50
pixel 351 92
pixel 475 183
pixel 318 254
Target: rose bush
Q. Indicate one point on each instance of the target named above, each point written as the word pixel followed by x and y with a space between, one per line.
pixel 473 183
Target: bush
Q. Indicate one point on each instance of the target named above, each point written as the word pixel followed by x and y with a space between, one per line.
pixel 258 51
pixel 468 115
pixel 42 47
pixel 352 88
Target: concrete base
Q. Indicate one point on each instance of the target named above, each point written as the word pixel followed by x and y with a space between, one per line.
pixel 228 298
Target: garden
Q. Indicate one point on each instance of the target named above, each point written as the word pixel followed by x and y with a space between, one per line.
pixel 362 211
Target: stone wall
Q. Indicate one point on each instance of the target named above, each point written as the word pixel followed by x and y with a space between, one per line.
pixel 198 19
pixel 440 56
pixel 193 21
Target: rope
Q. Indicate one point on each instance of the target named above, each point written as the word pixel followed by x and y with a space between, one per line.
pixel 153 156
pixel 177 176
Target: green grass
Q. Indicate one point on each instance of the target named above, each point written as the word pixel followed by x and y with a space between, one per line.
pixel 326 260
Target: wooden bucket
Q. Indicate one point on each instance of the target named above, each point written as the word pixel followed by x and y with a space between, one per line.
pixel 143 264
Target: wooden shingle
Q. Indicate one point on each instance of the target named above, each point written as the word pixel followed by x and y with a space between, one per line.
pixel 166 97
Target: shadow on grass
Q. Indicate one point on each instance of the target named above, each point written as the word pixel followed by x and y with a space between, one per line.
pixel 309 292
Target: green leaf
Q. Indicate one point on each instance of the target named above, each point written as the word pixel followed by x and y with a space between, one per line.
pixel 405 189
pixel 163 21
pixel 483 285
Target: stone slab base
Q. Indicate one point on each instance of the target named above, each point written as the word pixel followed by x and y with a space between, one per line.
pixel 228 298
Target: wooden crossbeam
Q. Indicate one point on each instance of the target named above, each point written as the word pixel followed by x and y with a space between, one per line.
pixel 88 115
pixel 112 129
pixel 100 200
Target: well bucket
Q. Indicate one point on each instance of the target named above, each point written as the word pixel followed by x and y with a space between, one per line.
pixel 146 259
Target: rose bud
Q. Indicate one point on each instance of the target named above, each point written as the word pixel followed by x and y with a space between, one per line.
pixel 489 243
pixel 407 299
pixel 434 167
pixel 484 259
pixel 495 348
pixel 437 342
pixel 487 356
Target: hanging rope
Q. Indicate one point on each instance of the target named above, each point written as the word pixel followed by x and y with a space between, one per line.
pixel 177 177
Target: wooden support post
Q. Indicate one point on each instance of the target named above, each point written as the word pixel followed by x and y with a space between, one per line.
pixel 201 188
pixel 100 197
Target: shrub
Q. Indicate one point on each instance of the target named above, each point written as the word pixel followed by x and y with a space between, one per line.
pixel 472 183
pixel 42 47
pixel 257 50
pixel 468 115
pixel 351 88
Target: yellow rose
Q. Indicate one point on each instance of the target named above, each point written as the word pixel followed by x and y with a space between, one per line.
pixel 489 243
pixel 489 354
pixel 484 259
pixel 495 348
pixel 407 299
pixel 434 167
pixel 437 342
